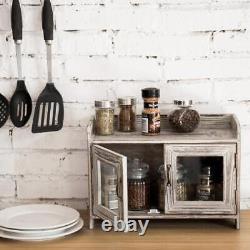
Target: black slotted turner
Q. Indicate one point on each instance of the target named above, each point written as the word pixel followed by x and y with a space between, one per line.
pixel 49 111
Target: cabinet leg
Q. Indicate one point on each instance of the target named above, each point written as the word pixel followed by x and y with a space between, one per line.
pixel 237 223
pixel 91 223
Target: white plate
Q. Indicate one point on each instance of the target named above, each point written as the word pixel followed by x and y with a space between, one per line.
pixel 25 237
pixel 37 217
pixel 39 232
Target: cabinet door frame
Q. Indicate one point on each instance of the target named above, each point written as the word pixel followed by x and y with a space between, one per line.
pixel 228 205
pixel 102 154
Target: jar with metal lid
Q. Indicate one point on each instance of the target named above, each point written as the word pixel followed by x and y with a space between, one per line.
pixel 138 186
pixel 104 117
pixel 151 121
pixel 184 119
pixel 127 114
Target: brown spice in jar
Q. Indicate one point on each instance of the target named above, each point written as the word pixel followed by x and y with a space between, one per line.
pixel 138 194
pixel 127 118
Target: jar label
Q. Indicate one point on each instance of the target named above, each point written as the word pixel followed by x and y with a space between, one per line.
pixel 151 123
pixel 151 105
pixel 144 125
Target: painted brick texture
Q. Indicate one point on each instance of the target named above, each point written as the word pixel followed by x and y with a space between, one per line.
pixel 197 49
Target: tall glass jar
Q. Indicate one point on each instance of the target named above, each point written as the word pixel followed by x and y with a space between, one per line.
pixel 127 114
pixel 184 119
pixel 151 113
pixel 138 186
pixel 104 117
pixel 109 187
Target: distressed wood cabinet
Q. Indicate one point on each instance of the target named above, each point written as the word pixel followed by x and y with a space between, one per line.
pixel 216 143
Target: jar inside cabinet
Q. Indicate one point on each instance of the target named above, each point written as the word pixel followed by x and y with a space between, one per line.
pixel 138 186
pixel 109 187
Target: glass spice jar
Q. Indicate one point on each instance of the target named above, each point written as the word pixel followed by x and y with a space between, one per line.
pixel 151 113
pixel 184 119
pixel 181 183
pixel 127 114
pixel 138 186
pixel 104 117
pixel 206 191
pixel 109 187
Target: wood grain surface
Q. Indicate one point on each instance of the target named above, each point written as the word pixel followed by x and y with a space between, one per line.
pixel 166 234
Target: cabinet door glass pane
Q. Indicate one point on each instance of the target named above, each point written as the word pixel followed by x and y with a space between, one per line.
pixel 199 178
pixel 108 185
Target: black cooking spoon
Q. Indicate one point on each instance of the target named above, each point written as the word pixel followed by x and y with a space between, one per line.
pixel 20 103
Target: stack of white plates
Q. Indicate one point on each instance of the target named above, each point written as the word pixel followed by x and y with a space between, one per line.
pixel 38 222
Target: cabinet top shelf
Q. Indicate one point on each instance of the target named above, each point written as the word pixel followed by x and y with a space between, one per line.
pixel 223 128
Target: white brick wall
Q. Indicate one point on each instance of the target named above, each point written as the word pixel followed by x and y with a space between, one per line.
pixel 108 48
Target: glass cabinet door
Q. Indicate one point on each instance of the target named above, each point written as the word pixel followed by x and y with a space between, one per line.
pixel 109 184
pixel 201 179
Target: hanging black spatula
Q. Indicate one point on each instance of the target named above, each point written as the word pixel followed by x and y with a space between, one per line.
pixel 49 111
pixel 20 103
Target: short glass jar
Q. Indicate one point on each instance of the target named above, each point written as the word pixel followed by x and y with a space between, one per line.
pixel 151 120
pixel 184 119
pixel 138 186
pixel 206 189
pixel 104 117
pixel 127 114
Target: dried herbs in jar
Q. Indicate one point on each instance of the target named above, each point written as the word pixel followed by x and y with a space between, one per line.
pixel 184 119
pixel 104 117
pixel 127 114
pixel 138 186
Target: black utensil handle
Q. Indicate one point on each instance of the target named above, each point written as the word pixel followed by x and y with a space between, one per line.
pixel 47 20
pixel 16 20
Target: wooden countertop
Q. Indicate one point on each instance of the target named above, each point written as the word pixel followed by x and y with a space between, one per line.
pixel 170 235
